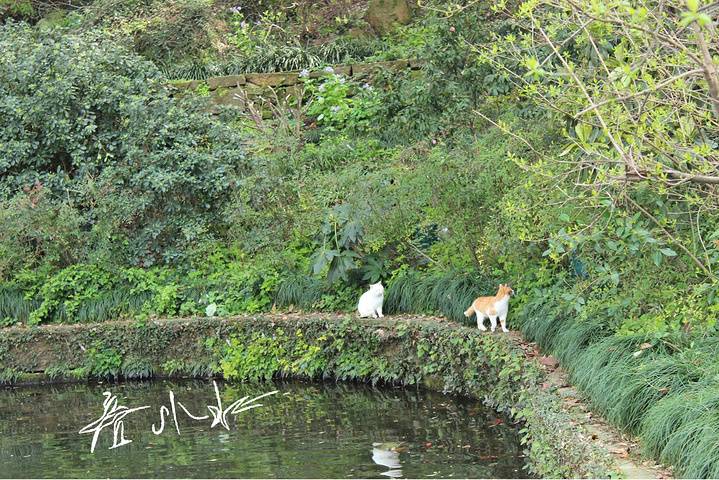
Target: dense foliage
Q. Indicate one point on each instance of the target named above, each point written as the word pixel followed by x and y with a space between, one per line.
pixel 523 151
pixel 98 162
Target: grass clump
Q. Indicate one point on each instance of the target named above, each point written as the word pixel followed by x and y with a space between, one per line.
pixel 683 429
pixel 663 389
pixel 15 306
pixel 299 290
pixel 449 293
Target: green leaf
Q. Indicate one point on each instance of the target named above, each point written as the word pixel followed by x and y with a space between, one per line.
pixel 564 217
pixel 657 257
pixel 583 131
pixel 668 252
pixel 703 19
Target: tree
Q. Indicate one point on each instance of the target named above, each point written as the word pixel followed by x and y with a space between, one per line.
pixel 634 86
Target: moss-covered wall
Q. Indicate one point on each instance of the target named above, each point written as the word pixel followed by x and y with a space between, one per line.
pixel 446 356
pixel 225 90
pixel 422 351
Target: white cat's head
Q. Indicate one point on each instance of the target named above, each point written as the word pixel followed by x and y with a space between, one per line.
pixel 377 289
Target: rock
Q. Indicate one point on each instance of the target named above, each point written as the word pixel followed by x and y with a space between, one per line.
pixel 227 97
pixel 549 361
pixel 337 70
pixel 273 79
pixel 381 14
pixel 228 81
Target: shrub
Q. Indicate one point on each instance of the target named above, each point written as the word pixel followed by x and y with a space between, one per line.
pixel 89 124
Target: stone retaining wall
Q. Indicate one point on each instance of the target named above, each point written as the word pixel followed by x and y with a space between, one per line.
pixel 225 90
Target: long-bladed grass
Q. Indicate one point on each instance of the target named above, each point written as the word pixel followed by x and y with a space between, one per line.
pixel 300 290
pixel 112 305
pixel 541 324
pixel 575 338
pixel 409 293
pixel 268 58
pixel 453 294
pixel 622 383
pixel 683 429
pixel 15 306
pixel 449 294
pixel 666 390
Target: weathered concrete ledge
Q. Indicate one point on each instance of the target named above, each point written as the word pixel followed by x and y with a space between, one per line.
pixel 499 369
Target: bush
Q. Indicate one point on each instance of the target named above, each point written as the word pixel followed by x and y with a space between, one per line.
pixel 90 126
pixel 38 233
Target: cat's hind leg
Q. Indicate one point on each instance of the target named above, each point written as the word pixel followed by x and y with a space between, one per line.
pixel 503 321
pixel 480 321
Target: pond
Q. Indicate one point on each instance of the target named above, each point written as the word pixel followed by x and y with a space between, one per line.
pixel 212 429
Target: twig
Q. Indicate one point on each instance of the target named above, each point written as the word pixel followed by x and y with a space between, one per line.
pixel 672 239
pixel 427 256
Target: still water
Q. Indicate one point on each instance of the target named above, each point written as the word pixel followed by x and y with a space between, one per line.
pixel 211 429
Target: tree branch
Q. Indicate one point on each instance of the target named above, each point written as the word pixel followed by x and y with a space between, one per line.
pixel 673 240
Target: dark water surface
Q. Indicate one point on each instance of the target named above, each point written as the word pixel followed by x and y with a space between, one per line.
pixel 304 430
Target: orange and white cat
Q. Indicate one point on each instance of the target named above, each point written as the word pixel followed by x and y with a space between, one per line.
pixel 492 307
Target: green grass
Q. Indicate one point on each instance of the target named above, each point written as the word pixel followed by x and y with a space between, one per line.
pixel 408 293
pixel 447 293
pixel 683 429
pixel 453 294
pixel 667 395
pixel 540 324
pixel 137 367
pixel 14 307
pixel 574 338
pixel 111 306
pixel 268 58
pixel 300 290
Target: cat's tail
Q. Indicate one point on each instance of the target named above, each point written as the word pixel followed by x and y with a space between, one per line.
pixel 470 311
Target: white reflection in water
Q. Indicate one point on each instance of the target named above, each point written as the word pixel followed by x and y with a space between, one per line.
pixel 387 455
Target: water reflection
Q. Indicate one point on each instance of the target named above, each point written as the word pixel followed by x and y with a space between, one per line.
pixel 387 455
pixel 307 430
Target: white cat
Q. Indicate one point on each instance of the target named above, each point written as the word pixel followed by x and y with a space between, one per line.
pixel 370 303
